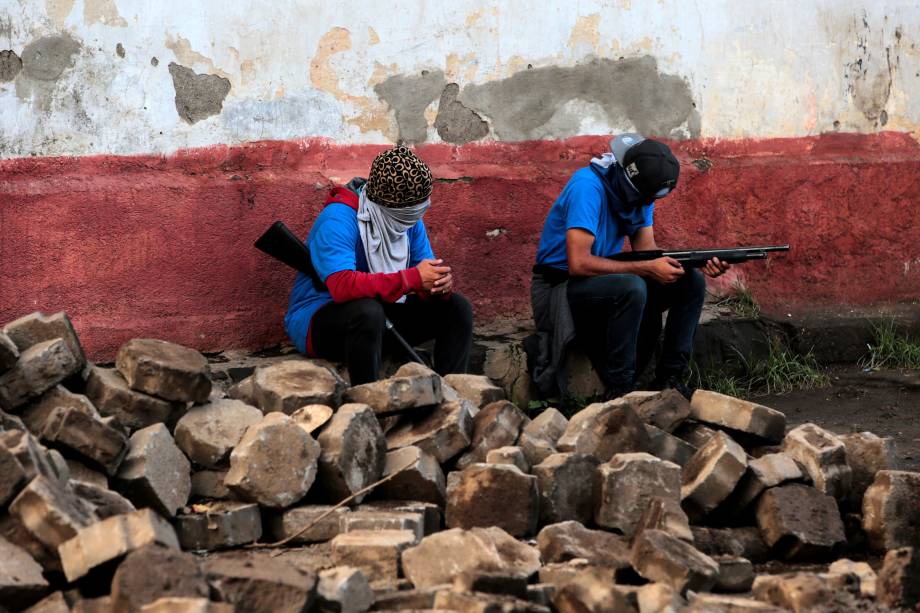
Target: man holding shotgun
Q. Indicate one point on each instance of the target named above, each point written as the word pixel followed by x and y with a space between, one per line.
pixel 613 308
pixel 373 263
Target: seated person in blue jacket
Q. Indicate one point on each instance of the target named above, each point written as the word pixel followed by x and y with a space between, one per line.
pixel 371 252
pixel 616 307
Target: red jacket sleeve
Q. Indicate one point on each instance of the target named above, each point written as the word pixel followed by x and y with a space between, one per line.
pixel 348 285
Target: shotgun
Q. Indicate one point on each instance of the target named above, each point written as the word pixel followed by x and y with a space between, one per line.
pixel 283 245
pixel 697 258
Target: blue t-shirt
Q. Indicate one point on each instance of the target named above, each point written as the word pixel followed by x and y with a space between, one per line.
pixel 335 245
pixel 585 204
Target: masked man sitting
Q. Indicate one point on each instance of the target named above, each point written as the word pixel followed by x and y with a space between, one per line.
pixel 374 262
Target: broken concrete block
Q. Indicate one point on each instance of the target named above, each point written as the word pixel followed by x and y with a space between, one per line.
pixel 104 502
pixel 478 389
pixel 745 542
pixel 36 413
pixel 889 510
pixel 711 475
pixel 244 391
pixel 371 520
pixel 8 353
pixel 155 472
pixel 736 574
pixel 312 417
pixel 343 589
pixel 668 447
pixel 376 553
pixel 799 522
pixel 12 476
pixel 764 472
pixel 274 463
pixel 866 455
pixel 51 511
pixel 658 556
pixel 570 540
pixel 323 519
pixel 110 394
pixel 478 602
pixel 491 582
pixel 444 555
pixel 898 582
pixel 21 579
pixel 36 328
pixel 268 585
pixel 823 456
pixel 431 513
pixel 444 432
pixel 536 448
pixel 549 424
pixel 32 456
pixel 153 572
pixel 79 472
pixel 496 425
pixel 666 409
pixel 86 435
pixel 512 456
pixel 867 576
pixel 289 385
pixel 187 605
pixel 566 484
pixel 39 368
pixel 718 603
pixel 10 422
pixel 590 590
pixel 208 433
pixel 694 433
pixel 801 592
pixel 406 600
pixel 219 525
pixel 209 485
pixel 613 428
pixel 165 370
pixel 737 414
pixel 112 538
pixel 493 495
pixel 353 452
pixel 625 485
pixel 420 477
pixel 398 393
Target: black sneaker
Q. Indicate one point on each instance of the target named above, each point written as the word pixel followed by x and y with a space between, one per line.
pixel 673 383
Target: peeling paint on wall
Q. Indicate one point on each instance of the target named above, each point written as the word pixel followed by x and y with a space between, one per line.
pixel 10 65
pixel 198 96
pixel 409 96
pixel 104 12
pixel 631 90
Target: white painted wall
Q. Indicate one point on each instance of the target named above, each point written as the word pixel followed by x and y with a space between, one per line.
pixel 302 68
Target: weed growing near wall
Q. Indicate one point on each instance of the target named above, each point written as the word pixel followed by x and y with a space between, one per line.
pixel 891 348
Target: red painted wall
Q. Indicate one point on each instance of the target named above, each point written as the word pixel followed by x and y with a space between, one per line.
pixel 162 246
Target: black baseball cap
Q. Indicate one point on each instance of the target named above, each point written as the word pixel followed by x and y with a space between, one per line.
pixel 650 166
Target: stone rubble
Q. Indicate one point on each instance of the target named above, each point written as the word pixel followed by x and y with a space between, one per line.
pixel 147 488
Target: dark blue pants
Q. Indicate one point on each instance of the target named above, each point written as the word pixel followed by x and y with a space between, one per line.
pixel 353 332
pixel 618 322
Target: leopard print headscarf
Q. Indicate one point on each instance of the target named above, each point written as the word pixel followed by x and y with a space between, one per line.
pixel 398 178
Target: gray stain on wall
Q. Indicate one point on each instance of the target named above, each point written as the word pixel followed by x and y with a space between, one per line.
pixel 455 123
pixel 409 96
pixel 44 60
pixel 629 90
pixel 198 96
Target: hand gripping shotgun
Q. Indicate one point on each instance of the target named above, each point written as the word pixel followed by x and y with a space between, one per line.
pixel 283 245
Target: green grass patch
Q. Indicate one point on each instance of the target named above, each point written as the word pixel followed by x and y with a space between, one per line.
pixel 740 301
pixel 891 347
pixel 781 372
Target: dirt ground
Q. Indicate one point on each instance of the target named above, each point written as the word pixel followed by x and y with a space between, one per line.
pixel 886 403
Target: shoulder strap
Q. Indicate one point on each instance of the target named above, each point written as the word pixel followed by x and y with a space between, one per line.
pixel 342 195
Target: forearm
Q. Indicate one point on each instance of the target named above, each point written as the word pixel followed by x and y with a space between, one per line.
pixel 592 266
pixel 348 285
